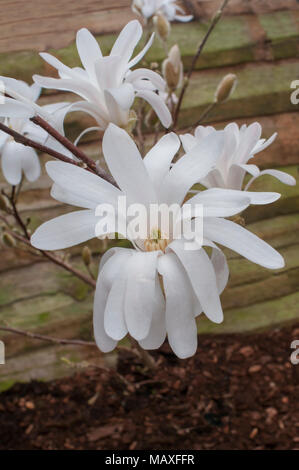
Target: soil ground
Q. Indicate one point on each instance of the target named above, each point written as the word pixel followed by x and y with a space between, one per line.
pixel 238 392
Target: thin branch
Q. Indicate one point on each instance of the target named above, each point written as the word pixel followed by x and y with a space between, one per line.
pixel 214 22
pixel 16 213
pixel 21 139
pixel 48 339
pixel 56 260
pixel 39 121
pixel 144 355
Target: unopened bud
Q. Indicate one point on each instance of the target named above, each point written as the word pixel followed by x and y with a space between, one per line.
pixel 86 256
pixel 162 26
pixel 3 203
pixel 172 68
pixel 8 240
pixel 225 88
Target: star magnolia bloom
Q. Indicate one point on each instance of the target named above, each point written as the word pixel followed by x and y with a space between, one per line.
pixel 129 295
pixel 241 144
pixel 106 84
pixel 17 110
pixel 149 8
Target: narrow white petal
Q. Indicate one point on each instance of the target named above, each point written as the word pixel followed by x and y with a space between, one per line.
pixel 127 40
pixel 123 95
pixel 188 141
pixel 220 202
pixel 219 262
pixel 108 273
pixel 126 166
pixel 30 164
pixel 88 50
pixel 190 168
pixel 114 321
pixel 145 75
pixel 157 332
pixel 142 53
pixel 255 197
pixel 82 184
pixel 180 316
pixel 202 276
pixel 65 231
pixel 12 162
pixel 158 106
pixel 141 289
pixel 280 175
pixel 14 109
pixel 242 241
pixel 157 160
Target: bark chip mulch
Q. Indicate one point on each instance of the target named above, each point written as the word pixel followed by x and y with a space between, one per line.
pixel 238 392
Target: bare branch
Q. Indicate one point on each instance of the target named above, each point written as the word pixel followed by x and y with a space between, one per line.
pixel 214 22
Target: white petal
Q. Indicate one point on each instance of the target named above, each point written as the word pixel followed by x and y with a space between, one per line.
pixel 126 166
pixel 242 241
pixel 65 231
pixel 255 197
pixel 67 71
pixel 117 115
pixel 141 288
pixel 157 160
pixel 14 109
pixel 114 321
pixel 188 141
pixel 80 87
pixel 220 202
pixel 158 106
pixel 142 53
pixel 262 146
pixel 12 162
pixel 88 50
pixel 145 75
pixel 108 72
pixel 30 164
pixel 83 184
pixel 183 18
pixel 108 273
pixel 123 95
pixel 157 332
pixel 190 168
pixel 219 262
pixel 280 175
pixel 180 316
pixel 251 169
pixel 202 277
pixel 127 40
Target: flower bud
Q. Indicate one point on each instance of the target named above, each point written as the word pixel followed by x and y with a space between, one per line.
pixel 225 88
pixel 3 203
pixel 86 256
pixel 172 68
pixel 8 240
pixel 162 26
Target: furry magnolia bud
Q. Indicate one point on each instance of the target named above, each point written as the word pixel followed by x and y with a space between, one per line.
pixel 162 26
pixel 8 240
pixel 172 68
pixel 3 203
pixel 86 256
pixel 225 88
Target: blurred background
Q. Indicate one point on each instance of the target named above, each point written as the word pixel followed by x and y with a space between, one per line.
pixel 258 41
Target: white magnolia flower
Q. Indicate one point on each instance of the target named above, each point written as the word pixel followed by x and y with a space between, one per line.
pixel 241 144
pixel 17 109
pixel 106 84
pixel 129 295
pixel 149 8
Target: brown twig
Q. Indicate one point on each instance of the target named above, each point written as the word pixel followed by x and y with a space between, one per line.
pixel 214 22
pixel 56 260
pixel 49 339
pixel 144 355
pixel 21 139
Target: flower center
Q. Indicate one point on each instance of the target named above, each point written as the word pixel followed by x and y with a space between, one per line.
pixel 156 241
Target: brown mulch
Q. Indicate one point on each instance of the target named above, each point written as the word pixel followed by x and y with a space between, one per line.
pixel 238 392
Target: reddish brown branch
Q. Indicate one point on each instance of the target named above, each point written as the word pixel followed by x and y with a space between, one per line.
pixel 214 22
